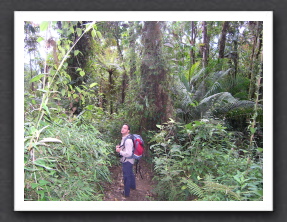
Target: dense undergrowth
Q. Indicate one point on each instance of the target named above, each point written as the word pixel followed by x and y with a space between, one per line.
pixel 199 161
pixel 70 160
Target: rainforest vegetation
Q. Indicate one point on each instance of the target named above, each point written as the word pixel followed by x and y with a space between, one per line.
pixel 192 89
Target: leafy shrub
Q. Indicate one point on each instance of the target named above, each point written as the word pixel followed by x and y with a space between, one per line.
pixel 185 154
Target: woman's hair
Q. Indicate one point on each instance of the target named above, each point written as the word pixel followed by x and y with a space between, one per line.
pixel 129 128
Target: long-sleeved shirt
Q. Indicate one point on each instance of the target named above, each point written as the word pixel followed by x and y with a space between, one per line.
pixel 127 150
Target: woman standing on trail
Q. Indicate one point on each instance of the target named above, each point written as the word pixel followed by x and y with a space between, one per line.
pixel 125 150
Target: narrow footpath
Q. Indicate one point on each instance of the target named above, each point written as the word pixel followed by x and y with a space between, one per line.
pixel 144 186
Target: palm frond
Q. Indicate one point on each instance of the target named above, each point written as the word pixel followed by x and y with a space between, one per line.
pixel 216 87
pixel 219 75
pixel 183 91
pixel 197 77
pixel 225 97
pixel 193 70
pixel 222 103
pixel 214 102
pixel 239 104
pixel 184 81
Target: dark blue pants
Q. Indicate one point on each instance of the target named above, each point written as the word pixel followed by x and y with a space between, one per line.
pixel 129 177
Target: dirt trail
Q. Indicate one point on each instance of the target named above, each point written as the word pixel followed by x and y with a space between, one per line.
pixel 144 187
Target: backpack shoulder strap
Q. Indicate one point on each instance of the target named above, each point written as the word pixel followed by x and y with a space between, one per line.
pixel 130 136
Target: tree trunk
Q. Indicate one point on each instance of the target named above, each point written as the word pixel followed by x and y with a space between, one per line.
pixel 204 44
pixel 192 43
pixel 111 91
pixel 154 76
pixel 132 46
pixel 222 40
pixel 124 76
pixel 235 57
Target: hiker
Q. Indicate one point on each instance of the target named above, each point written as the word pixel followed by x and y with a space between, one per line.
pixel 125 149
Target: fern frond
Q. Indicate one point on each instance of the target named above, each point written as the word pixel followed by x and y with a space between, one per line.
pixel 216 187
pixel 194 189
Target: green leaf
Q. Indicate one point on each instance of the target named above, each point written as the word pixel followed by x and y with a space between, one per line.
pixel 252 130
pixel 93 33
pixel 199 178
pixel 78 89
pixel 29 169
pixel 183 187
pixel 89 26
pixel 37 78
pixel 175 148
pixel 99 35
pixel 75 96
pixel 260 150
pixel 71 30
pixel 42 90
pixel 63 92
pixel 46 108
pixel 82 73
pixel 159 126
pixel 76 52
pixel 193 69
pixel 43 182
pixel 42 193
pixel 42 163
pixel 90 107
pixel 40 39
pixel 50 140
pixel 44 26
pixel 259 192
pixel 79 31
pixel 178 156
pixel 188 126
pixel 194 104
pixel 93 84
pixel 171 120
pixel 34 185
pixel 237 178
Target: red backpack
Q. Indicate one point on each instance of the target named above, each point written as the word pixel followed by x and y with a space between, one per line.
pixel 138 148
